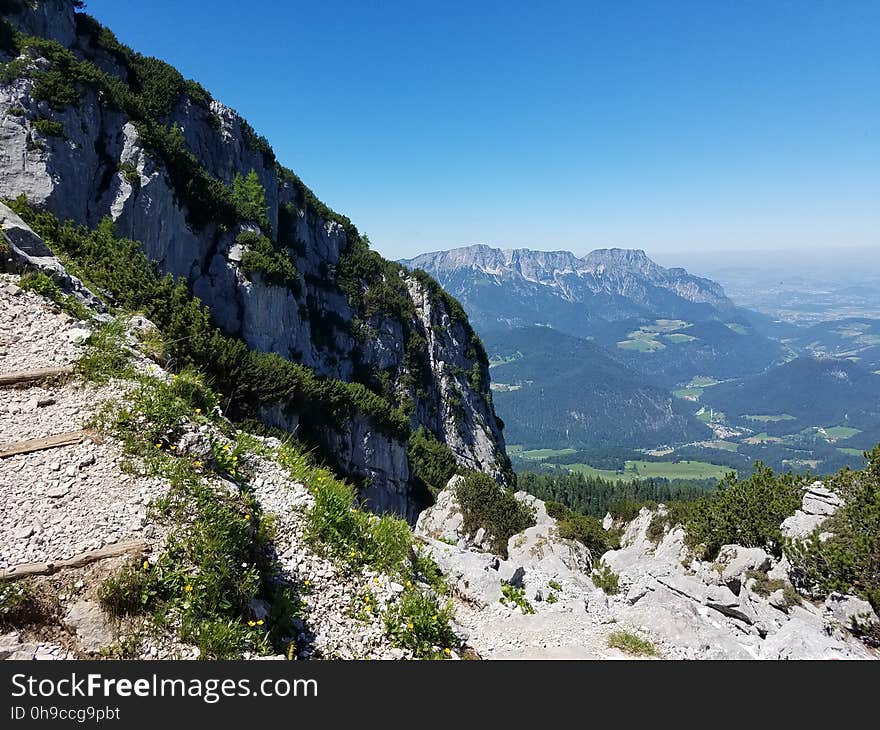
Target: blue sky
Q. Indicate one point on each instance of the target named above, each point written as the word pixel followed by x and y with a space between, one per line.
pixel 669 126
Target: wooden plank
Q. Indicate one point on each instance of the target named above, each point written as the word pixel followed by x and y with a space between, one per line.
pixel 27 570
pixel 31 376
pixel 42 444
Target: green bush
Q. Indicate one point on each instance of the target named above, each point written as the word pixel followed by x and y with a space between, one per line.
pixel 106 355
pixel 744 512
pixel 515 596
pixel 156 412
pixel 584 529
pixel 606 579
pixel 431 461
pixel 418 622
pixel 657 528
pixel 19 606
pixel 339 530
pixel 486 504
pixel 39 283
pixel 129 172
pixel 131 591
pixel 49 128
pixel 763 585
pixel 849 561
pixel 261 255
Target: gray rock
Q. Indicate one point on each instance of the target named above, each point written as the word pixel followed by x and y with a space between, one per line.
pixel 683 585
pixel 92 628
pixel 25 251
pixel 638 590
pixel 735 561
pixel 818 504
pixel 539 549
pixel 851 612
pixel 9 644
pixel 511 573
pixel 803 637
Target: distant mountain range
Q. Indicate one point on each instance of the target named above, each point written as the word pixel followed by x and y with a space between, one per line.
pixel 518 287
pixel 666 324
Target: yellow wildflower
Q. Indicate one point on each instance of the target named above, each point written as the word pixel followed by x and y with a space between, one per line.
pixel 260 622
pixel 158 446
pixel 251 623
pixel 447 651
pixel 198 410
pixel 247 517
pixel 146 564
pixel 411 627
pixel 188 588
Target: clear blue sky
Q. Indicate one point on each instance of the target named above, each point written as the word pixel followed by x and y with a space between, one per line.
pixel 715 124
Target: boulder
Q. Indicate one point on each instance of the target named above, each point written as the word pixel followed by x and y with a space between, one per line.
pixel 803 637
pixel 853 613
pixel 91 626
pixel 734 561
pixel 511 573
pixel 685 586
pixel 537 506
pixel 539 549
pixel 472 575
pixel 444 520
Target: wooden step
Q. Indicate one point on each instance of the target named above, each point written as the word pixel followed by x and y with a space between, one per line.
pixel 25 570
pixel 42 444
pixel 32 376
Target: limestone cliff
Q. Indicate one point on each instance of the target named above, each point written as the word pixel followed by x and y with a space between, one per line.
pixel 90 129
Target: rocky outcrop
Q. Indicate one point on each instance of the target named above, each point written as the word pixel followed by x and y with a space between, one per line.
pixel 818 505
pixel 22 250
pixel 740 606
pixel 101 165
pixel 535 557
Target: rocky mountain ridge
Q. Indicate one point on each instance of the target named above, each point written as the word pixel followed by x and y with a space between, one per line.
pixel 90 130
pixel 616 283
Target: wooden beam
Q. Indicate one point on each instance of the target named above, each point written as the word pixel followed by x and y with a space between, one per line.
pixel 28 570
pixel 31 376
pixel 41 444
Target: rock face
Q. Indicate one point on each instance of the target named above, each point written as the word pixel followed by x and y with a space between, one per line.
pixel 101 165
pixel 740 606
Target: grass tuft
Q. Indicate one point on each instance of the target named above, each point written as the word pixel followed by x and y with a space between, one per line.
pixel 631 644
